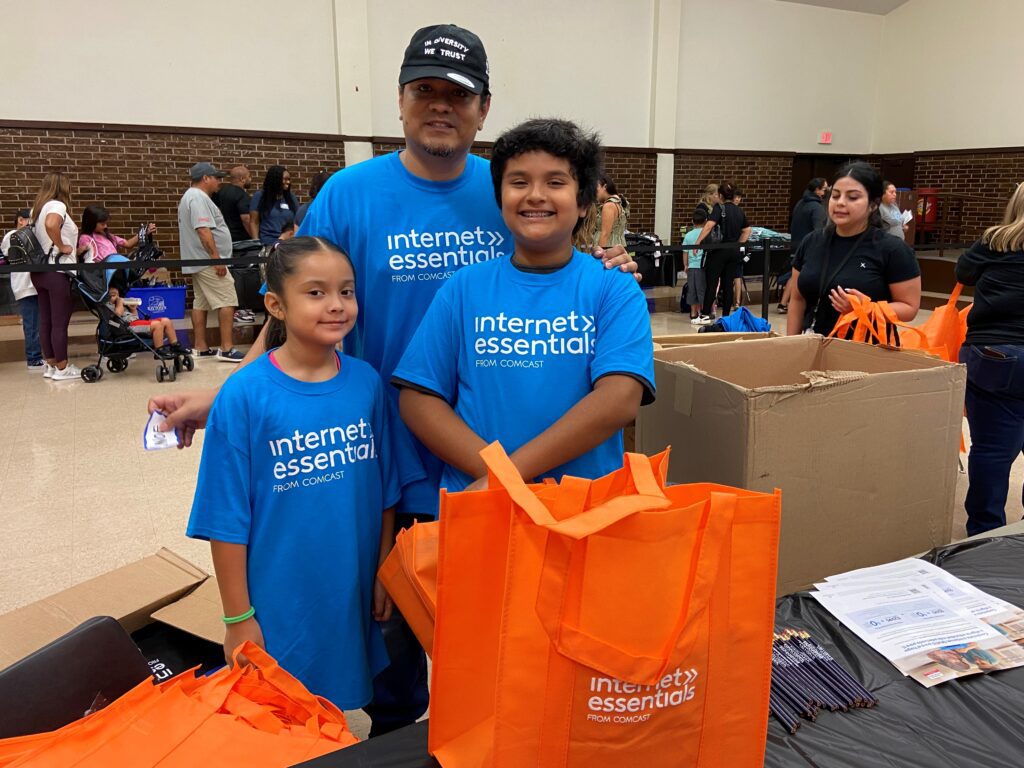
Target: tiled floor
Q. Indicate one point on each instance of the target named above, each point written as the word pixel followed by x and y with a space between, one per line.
pixel 79 496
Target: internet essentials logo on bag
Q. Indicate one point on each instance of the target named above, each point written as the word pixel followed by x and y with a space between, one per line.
pixel 504 341
pixel 633 703
pixel 302 458
pixel 417 256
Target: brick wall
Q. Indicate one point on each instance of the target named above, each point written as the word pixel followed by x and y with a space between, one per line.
pixel 764 179
pixel 140 175
pixel 991 175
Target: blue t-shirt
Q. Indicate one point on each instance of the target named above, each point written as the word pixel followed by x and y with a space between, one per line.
pixel 406 236
pixel 512 351
pixel 272 224
pixel 694 258
pixel 300 473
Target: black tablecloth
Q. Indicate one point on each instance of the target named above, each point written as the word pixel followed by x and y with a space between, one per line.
pixel 977 722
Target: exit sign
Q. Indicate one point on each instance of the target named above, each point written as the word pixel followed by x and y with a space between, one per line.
pixel 825 137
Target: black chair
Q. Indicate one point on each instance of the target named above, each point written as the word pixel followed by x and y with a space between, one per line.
pixel 95 663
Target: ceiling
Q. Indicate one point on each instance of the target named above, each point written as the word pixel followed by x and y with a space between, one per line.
pixel 880 7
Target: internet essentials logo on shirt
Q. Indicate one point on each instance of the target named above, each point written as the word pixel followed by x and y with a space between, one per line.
pixel 302 454
pixel 417 256
pixel 503 341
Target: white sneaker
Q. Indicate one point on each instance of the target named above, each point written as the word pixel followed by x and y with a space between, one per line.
pixel 69 373
pixel 49 371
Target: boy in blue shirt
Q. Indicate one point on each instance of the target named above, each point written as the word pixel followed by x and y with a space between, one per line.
pixel 545 350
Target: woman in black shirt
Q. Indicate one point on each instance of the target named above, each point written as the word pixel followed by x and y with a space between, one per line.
pixel 994 355
pixel 852 256
pixel 720 263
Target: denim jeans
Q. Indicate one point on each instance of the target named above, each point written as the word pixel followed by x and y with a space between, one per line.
pixel 29 308
pixel 995 414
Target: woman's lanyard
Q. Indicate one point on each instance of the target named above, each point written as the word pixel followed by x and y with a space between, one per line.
pixel 826 278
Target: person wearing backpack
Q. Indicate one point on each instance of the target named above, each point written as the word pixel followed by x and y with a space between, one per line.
pixel 612 214
pixel 720 263
pixel 57 234
pixel 28 301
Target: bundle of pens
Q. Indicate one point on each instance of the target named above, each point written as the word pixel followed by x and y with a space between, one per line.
pixel 805 678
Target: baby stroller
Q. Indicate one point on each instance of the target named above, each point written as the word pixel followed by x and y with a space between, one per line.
pixel 116 340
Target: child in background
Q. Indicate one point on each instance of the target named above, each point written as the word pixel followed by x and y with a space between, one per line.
pixel 546 351
pixel 297 483
pixel 160 328
pixel 28 300
pixel 695 279
pixel 97 240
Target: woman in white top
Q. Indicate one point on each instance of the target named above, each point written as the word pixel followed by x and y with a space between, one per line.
pixel 892 218
pixel 57 234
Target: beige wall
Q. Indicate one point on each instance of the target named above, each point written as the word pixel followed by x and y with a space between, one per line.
pixel 953 76
pixel 795 70
pixel 588 61
pixel 244 64
pixel 929 75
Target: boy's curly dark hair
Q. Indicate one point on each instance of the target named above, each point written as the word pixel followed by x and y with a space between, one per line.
pixel 560 138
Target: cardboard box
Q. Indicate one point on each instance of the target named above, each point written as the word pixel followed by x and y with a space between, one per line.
pixel 865 450
pixel 684 339
pixel 130 594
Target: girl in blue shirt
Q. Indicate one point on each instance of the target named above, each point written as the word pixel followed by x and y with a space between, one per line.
pixel 297 483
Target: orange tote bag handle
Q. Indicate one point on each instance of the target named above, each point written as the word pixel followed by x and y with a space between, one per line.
pixel 502 473
pixel 562 576
pixel 552 607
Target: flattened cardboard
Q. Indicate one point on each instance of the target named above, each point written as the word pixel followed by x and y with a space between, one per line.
pixel 866 463
pixel 198 612
pixel 130 594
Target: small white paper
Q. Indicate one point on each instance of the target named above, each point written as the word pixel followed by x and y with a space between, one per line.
pixel 155 440
pixel 907 216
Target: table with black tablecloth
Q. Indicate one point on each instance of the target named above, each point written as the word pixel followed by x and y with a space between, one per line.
pixel 975 722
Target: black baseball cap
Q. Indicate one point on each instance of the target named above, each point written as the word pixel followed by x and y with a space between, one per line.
pixel 448 52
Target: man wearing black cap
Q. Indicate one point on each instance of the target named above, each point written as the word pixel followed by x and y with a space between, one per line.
pixel 408 221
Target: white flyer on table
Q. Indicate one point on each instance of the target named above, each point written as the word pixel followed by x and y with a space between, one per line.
pixel 1004 617
pixel 932 626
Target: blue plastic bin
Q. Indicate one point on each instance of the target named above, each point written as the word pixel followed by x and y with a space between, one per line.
pixel 161 302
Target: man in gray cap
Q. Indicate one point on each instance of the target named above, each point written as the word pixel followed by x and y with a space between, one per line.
pixel 203 234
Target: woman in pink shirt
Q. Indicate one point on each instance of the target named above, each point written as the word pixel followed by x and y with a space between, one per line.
pixel 97 238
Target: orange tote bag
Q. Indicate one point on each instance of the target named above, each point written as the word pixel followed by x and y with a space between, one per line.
pixel 607 622
pixel 944 331
pixel 256 715
pixel 409 574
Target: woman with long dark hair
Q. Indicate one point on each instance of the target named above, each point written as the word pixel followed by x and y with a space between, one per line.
pixel 612 214
pixel 994 355
pixel 97 239
pixel 852 256
pixel 272 209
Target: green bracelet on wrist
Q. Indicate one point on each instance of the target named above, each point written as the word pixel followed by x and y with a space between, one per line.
pixel 240 618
